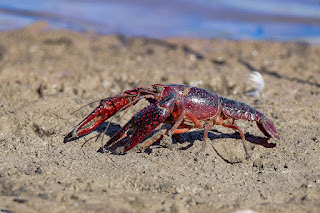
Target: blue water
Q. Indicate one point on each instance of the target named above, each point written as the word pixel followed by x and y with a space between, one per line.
pixel 233 19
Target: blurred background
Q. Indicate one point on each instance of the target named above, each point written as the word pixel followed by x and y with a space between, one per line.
pixel 283 20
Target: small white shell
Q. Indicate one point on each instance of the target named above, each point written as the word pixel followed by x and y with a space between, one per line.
pixel 257 82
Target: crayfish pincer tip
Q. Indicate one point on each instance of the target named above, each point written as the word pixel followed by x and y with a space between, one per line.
pixel 69 137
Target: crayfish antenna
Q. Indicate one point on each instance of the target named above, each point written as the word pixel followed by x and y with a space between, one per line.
pixel 85 106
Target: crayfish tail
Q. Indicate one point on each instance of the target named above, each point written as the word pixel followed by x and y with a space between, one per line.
pixel 239 110
pixel 268 129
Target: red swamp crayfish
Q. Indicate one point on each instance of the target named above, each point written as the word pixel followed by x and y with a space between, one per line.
pixel 183 107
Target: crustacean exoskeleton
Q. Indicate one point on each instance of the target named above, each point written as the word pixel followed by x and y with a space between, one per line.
pixel 182 106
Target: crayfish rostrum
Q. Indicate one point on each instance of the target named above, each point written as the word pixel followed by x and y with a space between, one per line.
pixel 183 107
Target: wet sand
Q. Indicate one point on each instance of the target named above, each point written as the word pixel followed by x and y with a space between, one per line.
pixel 46 75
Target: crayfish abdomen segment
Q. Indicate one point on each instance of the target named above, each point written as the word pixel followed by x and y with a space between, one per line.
pixel 238 110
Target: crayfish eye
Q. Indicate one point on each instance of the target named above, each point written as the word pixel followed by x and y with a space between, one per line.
pixel 159 88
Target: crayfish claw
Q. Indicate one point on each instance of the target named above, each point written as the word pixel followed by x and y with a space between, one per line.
pixel 141 125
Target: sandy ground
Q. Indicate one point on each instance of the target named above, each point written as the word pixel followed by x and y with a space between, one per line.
pixel 45 76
